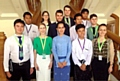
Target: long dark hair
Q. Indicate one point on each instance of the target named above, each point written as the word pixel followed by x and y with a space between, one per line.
pixel 49 22
pixel 99 28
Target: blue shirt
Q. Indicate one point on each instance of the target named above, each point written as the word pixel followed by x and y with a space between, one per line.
pixel 61 49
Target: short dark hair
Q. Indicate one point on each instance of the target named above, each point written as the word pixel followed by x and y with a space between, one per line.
pixel 27 13
pixel 19 21
pixel 67 6
pixel 76 15
pixel 84 10
pixel 102 25
pixel 61 22
pixel 59 11
pixel 93 15
pixel 79 26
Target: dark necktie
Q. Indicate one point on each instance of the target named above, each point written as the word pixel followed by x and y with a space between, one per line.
pixel 20 49
pixel 67 20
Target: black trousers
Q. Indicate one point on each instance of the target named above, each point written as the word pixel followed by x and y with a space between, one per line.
pixel 100 69
pixel 19 71
pixel 33 75
pixel 80 75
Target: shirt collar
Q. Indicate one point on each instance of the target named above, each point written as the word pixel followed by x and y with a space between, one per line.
pixel 28 25
pixel 18 35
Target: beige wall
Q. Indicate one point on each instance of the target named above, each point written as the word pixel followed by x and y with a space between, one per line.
pixel 117 12
pixel 7 27
pixel 101 21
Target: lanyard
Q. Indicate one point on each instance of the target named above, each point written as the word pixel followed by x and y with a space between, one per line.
pixel 28 30
pixel 100 46
pixel 47 27
pixel 82 48
pixel 96 28
pixel 43 44
pixel 21 45
pixel 68 23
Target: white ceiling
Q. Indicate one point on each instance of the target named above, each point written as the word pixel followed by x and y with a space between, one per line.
pixel 11 9
pixel 103 8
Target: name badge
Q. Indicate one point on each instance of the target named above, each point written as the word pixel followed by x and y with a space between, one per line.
pixel 21 53
pixel 100 57
pixel 43 56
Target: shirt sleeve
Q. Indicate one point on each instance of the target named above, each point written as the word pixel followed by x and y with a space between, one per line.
pixel 74 56
pixel 31 53
pixel 50 43
pixel 71 34
pixel 54 50
pixel 6 55
pixel 89 56
pixel 38 33
pixel 50 31
pixel 111 52
pixel 68 50
pixel 34 44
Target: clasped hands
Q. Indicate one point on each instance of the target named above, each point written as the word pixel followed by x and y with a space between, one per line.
pixel 62 64
pixel 83 67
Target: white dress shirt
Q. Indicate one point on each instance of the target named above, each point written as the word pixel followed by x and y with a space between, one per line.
pixel 73 34
pixel 31 31
pixel 11 47
pixel 78 54
pixel 87 24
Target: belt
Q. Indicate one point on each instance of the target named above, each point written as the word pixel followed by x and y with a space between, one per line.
pixel 62 57
pixel 22 63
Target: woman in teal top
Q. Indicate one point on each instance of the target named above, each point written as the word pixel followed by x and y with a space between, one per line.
pixel 43 55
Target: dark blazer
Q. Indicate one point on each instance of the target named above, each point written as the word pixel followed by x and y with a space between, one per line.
pixel 52 32
pixel 71 21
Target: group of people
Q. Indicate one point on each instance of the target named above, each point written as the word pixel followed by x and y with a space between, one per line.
pixel 75 47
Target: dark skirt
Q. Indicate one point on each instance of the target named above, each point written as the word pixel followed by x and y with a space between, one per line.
pixel 100 69
pixel 61 74
pixel 80 75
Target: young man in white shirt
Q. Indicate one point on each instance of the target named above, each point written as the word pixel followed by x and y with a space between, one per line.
pixel 30 29
pixel 77 20
pixel 19 49
pixel 81 53
pixel 85 20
